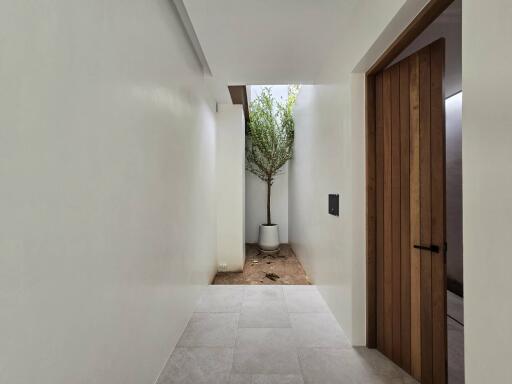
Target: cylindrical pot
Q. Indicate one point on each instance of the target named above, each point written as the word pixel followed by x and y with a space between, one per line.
pixel 269 237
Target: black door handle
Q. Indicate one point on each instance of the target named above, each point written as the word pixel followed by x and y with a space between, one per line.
pixel 431 248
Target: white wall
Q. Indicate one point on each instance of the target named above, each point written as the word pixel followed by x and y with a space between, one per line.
pixel 230 186
pixel 320 239
pixel 330 158
pixel 107 198
pixel 324 147
pixel 487 189
pixel 256 189
pixel 256 205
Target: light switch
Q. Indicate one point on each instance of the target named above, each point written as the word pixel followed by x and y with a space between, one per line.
pixel 334 204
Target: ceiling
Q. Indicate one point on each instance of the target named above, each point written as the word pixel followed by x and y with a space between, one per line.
pixel 286 41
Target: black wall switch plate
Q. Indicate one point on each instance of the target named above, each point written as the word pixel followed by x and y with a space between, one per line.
pixel 334 204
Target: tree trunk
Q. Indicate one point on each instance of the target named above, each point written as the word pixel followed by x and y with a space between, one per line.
pixel 269 187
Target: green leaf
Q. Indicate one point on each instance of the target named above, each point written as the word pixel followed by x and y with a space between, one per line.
pixel 269 142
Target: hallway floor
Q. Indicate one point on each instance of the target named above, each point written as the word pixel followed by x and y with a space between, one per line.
pixel 260 268
pixel 455 320
pixel 271 335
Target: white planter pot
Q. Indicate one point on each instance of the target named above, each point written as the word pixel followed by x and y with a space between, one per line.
pixel 269 237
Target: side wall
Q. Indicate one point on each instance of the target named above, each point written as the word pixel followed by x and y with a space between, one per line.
pixel 487 189
pixel 230 187
pixel 330 136
pixel 330 248
pixel 107 144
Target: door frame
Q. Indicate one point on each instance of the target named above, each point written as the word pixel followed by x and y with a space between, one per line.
pixel 427 15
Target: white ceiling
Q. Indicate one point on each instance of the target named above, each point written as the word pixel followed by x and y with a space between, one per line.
pixel 286 41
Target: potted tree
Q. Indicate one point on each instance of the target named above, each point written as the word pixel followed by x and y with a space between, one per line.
pixel 269 145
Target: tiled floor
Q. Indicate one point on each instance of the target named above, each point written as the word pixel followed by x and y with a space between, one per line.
pixel 283 268
pixel 263 334
pixel 455 307
pixel 455 339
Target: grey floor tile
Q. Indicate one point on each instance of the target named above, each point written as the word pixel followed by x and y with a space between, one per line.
pixel 237 378
pixel 332 366
pixel 386 380
pixel 210 330
pixel 263 293
pixel 260 314
pixel 297 288
pixel 455 352
pixel 376 363
pixel 221 298
pixel 277 379
pixel 305 301
pixel 266 351
pixel 198 366
pixel 236 338
pixel 318 330
pixel 455 306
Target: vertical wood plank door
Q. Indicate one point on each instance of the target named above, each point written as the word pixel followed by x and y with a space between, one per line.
pixel 410 275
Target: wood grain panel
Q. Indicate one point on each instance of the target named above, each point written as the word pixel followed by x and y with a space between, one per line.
pixel 371 329
pixel 425 218
pixel 414 206
pixel 238 95
pixel 405 244
pixel 408 180
pixel 424 18
pixel 437 149
pixel 379 209
pixel 395 211
pixel 387 215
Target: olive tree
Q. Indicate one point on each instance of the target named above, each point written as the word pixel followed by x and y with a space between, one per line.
pixel 269 141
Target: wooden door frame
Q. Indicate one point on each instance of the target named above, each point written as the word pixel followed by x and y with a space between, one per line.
pixel 427 15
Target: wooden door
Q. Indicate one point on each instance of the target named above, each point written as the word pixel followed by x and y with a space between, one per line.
pixel 410 273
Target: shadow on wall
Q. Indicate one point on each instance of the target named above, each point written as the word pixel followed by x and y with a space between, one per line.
pixel 454 256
